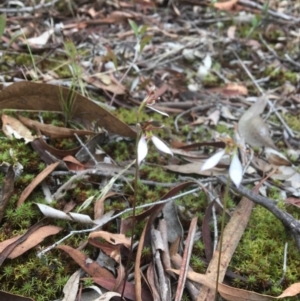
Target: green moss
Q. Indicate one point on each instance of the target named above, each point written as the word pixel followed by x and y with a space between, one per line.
pixel 293 121
pixel 224 129
pixel 278 76
pixel 259 256
pixel 23 59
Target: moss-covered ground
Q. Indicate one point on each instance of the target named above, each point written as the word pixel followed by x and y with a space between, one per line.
pixel 258 259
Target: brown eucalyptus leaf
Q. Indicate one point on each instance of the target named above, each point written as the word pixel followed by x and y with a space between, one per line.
pixel 34 239
pixel 45 97
pixel 36 181
pixel 9 245
pixel 90 266
pixel 59 153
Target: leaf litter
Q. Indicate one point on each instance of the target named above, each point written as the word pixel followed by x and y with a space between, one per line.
pixel 199 79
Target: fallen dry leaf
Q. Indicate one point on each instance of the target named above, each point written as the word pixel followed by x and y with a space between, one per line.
pixel 253 128
pixel 12 127
pixel 32 240
pixel 53 131
pixel 276 158
pixel 228 5
pixel 235 88
pixel 231 237
pixel 235 294
pixel 71 287
pixel 59 153
pixel 36 181
pixel 90 266
pixel 114 239
pixel 118 89
pixel 46 97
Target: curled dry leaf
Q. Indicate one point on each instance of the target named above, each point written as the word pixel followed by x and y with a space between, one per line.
pixel 276 158
pixel 59 153
pixel 107 296
pixel 71 216
pixel 253 128
pixel 114 239
pixel 12 127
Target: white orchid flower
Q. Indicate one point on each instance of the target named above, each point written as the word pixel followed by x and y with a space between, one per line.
pixel 161 145
pixel 235 169
pixel 143 147
pixel 213 160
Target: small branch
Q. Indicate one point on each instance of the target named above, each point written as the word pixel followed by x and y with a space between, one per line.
pixel 108 219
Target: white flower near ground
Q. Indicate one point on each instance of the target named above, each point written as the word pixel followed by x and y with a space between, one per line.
pixel 235 169
pixel 143 147
pixel 213 160
pixel 161 145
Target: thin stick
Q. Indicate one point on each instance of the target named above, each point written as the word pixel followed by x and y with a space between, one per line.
pixel 107 219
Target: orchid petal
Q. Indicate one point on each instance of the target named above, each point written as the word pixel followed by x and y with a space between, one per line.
pixel 161 145
pixel 142 149
pixel 236 170
pixel 213 160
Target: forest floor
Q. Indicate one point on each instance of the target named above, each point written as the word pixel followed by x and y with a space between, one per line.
pixel 140 138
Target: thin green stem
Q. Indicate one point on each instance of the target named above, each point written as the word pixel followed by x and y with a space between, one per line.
pixel 222 231
pixel 136 178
